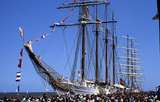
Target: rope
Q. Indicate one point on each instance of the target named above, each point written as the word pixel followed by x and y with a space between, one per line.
pixel 69 15
pixel 90 49
pixel 102 55
pixel 72 76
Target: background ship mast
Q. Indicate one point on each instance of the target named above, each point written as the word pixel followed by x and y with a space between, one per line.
pixel 106 48
pixel 113 52
pixel 131 70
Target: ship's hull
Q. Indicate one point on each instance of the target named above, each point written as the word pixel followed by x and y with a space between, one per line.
pixel 80 89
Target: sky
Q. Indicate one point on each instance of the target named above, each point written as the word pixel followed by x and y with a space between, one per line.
pixel 35 16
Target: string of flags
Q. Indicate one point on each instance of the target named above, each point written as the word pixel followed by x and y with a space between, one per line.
pixel 18 76
pixel 43 36
pixel 65 18
pixel 18 79
pixel 20 59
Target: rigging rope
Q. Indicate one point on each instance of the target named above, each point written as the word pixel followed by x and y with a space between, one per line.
pixel 43 36
pixel 65 43
pixel 90 50
pixel 102 55
pixel 72 76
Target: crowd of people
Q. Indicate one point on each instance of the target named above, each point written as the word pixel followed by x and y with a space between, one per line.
pixel 132 97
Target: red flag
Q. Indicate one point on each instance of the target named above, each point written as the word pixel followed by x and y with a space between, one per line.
pixel 20 63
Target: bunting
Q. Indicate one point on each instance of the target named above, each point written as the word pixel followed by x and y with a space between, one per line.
pixel 43 36
pixel 20 63
pixel 18 76
pixel 21 52
pixel 21 32
pixel 20 59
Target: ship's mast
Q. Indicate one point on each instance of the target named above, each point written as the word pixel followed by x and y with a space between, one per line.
pixel 132 64
pixel 83 19
pixel 113 51
pixel 83 22
pixel 131 72
pixel 128 60
pixel 106 49
pixel 135 62
pixel 97 47
pixel 83 52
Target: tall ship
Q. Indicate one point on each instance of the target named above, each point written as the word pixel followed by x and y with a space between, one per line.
pixel 96 66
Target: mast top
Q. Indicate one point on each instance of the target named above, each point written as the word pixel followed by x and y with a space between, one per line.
pixel 83 3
